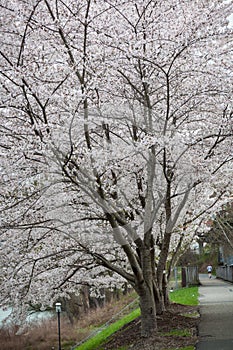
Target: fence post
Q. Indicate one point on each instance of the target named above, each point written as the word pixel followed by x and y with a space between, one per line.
pixel 176 277
pixel 184 277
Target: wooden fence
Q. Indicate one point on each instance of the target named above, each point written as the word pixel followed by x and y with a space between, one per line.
pixel 184 277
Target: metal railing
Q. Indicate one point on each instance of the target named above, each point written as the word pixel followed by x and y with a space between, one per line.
pixel 225 272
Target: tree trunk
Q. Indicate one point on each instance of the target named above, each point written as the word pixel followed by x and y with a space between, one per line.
pixel 165 290
pixel 147 292
pixel 162 280
pixel 158 299
pixel 148 310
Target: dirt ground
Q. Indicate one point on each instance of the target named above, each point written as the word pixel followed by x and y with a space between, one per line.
pixel 177 317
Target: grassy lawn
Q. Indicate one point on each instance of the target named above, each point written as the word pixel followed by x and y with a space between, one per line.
pixel 185 296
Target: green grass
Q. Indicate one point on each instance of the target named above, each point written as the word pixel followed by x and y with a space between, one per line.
pixel 185 296
pixel 178 333
pixel 185 348
pixel 121 348
pixel 100 337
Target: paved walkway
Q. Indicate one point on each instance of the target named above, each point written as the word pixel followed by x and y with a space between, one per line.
pixel 216 308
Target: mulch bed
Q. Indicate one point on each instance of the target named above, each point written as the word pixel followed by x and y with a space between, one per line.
pixel 178 317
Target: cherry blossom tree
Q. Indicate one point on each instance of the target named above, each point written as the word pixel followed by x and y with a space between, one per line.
pixel 116 140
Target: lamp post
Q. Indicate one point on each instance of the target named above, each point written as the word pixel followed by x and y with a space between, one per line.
pixel 58 311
